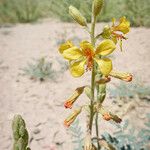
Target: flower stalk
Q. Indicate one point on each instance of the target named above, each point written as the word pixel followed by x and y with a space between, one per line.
pixel 91 57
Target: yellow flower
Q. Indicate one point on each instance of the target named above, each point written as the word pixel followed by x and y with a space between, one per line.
pixel 113 32
pixel 123 26
pixel 86 55
pixel 65 46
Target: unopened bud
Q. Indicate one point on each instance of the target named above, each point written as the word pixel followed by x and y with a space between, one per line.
pixel 77 16
pixel 97 6
pixel 72 117
pixel 108 115
pixel 74 97
pixel 106 32
pixel 121 75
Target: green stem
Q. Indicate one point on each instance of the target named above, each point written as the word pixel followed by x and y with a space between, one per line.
pixel 96 119
pixel 97 131
pixel 93 75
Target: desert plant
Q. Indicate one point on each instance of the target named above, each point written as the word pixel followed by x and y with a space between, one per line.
pixel 138 12
pixel 77 135
pixel 127 138
pixel 124 138
pixel 12 11
pixel 94 58
pixel 20 133
pixel 136 88
pixel 40 70
pixel 19 11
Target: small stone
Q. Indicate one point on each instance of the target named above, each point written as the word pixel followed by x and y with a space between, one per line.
pixel 36 131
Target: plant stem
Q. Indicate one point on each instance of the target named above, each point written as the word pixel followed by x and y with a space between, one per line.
pixel 97 131
pixel 93 74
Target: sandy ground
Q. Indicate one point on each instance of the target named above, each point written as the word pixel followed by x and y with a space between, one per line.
pixel 41 104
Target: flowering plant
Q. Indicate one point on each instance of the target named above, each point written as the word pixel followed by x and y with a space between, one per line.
pixel 90 56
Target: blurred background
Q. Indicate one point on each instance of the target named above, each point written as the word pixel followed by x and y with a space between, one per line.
pixel 35 80
pixel 22 11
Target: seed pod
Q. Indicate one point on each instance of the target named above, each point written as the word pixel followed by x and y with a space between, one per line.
pixel 77 16
pixel 97 6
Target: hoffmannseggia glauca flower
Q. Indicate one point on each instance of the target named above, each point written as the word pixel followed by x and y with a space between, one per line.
pixel 121 75
pixel 117 32
pixel 108 115
pixel 86 55
pixel 94 57
pixel 69 102
pixel 70 119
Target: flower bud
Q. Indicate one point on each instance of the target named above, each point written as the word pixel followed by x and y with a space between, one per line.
pixel 74 97
pixel 77 16
pixel 108 115
pixel 121 75
pixel 106 32
pixel 97 6
pixel 68 121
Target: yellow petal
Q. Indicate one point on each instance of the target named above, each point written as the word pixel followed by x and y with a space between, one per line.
pixel 72 53
pixel 65 46
pixel 106 47
pixel 77 68
pixel 85 45
pixel 105 65
pixel 124 26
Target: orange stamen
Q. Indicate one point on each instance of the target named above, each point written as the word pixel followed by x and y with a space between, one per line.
pixel 119 36
pixel 89 54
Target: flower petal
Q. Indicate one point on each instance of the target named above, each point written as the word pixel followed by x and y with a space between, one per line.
pixel 77 68
pixel 105 65
pixel 65 46
pixel 72 53
pixel 124 26
pixel 106 47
